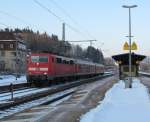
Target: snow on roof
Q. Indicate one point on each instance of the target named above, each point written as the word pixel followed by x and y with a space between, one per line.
pixel 122 105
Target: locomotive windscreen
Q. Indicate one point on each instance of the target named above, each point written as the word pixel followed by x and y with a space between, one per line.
pixel 39 58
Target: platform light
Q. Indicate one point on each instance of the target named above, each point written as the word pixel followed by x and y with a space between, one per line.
pixel 130 36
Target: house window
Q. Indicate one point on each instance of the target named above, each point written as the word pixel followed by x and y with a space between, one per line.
pixel 13 53
pixel 2 53
pixel 1 46
pixel 11 46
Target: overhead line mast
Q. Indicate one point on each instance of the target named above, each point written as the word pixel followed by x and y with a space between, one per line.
pixel 59 18
pixel 71 18
pixel 84 41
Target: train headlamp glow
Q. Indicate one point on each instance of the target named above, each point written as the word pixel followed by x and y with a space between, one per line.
pixel 45 73
pixel 31 69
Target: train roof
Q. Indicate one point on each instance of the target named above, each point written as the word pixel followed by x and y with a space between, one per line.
pixel 78 61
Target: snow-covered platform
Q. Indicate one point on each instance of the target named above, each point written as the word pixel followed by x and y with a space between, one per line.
pixel 122 105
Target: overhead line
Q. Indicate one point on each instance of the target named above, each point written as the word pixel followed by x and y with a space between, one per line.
pixel 1 23
pixel 42 6
pixel 18 19
pixel 63 10
pixel 59 18
pixel 71 18
pixel 4 24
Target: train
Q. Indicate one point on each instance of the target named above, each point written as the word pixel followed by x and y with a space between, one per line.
pixel 49 68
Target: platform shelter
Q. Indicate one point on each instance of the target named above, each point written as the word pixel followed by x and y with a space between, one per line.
pixel 123 62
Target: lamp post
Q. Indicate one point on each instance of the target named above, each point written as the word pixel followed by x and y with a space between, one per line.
pixel 130 36
pixel 16 60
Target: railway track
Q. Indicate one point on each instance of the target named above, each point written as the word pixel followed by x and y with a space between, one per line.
pixel 144 74
pixel 54 98
pixel 23 99
pixel 15 87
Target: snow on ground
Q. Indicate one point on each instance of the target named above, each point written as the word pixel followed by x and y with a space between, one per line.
pixel 122 105
pixel 7 79
pixel 19 108
pixel 145 73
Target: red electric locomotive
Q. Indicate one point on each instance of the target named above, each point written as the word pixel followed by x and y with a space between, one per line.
pixel 44 67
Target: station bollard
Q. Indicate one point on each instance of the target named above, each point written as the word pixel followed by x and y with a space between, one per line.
pixel 127 83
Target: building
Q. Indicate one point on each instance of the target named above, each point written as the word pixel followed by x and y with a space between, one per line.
pixel 123 62
pixel 12 53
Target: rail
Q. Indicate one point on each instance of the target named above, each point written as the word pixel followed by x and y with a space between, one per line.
pixel 8 88
pixel 144 74
pixel 59 88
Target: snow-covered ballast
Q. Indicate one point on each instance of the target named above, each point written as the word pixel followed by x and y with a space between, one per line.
pixel 123 62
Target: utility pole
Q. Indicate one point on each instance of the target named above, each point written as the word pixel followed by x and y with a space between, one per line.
pixel 63 36
pixel 16 59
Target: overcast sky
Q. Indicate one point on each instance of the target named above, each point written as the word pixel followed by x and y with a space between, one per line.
pixel 103 20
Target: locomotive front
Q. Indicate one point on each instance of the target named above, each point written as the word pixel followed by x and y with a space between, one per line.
pixel 38 67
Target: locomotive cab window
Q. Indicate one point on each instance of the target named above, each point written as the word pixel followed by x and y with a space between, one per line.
pixel 39 58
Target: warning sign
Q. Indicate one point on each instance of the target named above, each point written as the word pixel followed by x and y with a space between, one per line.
pixel 133 46
pixel 126 46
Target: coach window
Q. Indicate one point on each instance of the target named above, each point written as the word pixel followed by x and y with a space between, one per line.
pixel 1 46
pixel 64 62
pixel 59 60
pixel 11 46
pixel 2 53
pixel 67 62
pixel 71 62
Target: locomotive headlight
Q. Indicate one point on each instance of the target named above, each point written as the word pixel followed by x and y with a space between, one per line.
pixel 31 69
pixel 45 73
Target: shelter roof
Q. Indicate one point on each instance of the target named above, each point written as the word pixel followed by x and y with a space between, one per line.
pixel 124 58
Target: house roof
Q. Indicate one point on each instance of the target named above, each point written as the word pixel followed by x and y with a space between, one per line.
pixel 7 36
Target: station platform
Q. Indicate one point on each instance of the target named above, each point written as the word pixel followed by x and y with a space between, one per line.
pixel 123 104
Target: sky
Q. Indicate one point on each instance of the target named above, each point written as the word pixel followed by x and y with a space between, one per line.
pixel 102 20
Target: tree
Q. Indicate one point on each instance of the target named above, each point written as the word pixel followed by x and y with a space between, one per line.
pixel 37 42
